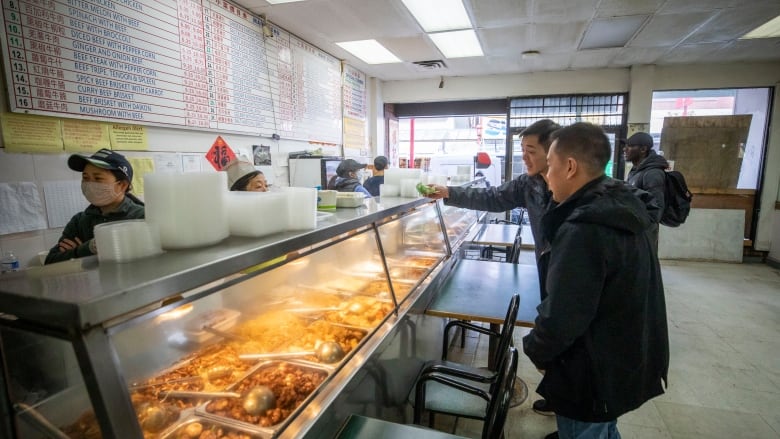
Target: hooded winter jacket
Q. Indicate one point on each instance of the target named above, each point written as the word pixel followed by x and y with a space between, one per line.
pixel 601 334
pixel 650 176
pixel 82 226
pixel 525 191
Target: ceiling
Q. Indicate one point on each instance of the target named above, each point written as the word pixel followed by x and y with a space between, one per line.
pixel 673 32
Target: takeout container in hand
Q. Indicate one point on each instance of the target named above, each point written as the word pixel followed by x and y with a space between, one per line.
pixel 189 209
pixel 122 241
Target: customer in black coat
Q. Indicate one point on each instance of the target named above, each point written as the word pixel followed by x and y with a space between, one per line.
pixel 648 172
pixel 528 190
pixel 601 335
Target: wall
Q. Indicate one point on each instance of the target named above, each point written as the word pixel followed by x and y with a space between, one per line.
pixel 639 82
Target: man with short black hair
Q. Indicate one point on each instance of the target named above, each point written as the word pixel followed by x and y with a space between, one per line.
pixel 528 190
pixel 601 335
pixel 373 182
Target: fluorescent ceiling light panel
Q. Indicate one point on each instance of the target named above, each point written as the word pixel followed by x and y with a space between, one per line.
pixel 611 32
pixel 770 29
pixel 457 44
pixel 276 2
pixel 439 15
pixel 370 51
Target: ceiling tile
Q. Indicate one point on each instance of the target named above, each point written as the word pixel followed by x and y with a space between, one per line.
pixel 617 8
pixel 417 48
pixel 669 30
pixel 592 59
pixel 691 53
pixel 558 11
pixel 557 39
pixel 730 24
pixel 507 41
pixel 629 56
pixel 498 13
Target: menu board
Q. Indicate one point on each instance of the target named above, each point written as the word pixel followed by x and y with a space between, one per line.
pixel 201 64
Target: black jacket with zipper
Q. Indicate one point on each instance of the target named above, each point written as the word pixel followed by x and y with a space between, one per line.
pixel 601 334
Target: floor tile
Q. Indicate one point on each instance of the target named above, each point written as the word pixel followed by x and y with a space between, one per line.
pixel 686 421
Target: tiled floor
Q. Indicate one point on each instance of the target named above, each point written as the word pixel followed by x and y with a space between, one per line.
pixel 724 377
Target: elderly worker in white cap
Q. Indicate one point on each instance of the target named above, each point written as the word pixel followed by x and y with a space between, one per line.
pixel 242 176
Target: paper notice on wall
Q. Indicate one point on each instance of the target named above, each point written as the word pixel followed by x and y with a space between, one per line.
pixel 63 200
pixel 128 137
pixel 85 136
pixel 191 162
pixel 22 208
pixel 141 167
pixel 26 133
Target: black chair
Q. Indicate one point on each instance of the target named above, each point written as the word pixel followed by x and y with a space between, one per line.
pixel 504 336
pixel 485 377
pixel 462 393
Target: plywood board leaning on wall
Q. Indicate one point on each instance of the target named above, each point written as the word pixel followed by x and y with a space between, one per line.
pixel 708 150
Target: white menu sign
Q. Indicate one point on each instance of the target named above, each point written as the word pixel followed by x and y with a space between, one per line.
pixel 190 63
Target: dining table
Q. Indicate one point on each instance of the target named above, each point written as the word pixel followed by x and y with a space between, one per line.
pixel 480 291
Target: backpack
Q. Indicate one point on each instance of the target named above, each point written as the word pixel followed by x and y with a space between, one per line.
pixel 677 198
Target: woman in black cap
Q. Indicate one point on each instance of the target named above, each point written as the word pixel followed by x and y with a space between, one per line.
pixel 106 178
pixel 346 178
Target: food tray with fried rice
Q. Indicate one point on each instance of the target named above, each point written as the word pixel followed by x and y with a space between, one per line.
pixel 210 369
pixel 282 331
pixel 271 394
pixel 197 427
pixel 359 311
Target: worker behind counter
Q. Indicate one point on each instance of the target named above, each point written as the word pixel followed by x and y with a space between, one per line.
pixel 346 178
pixel 242 176
pixel 106 182
pixel 372 184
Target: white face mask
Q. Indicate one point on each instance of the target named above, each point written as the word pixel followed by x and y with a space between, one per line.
pixel 99 194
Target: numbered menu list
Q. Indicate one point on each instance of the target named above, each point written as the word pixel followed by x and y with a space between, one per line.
pixel 143 61
pixel 192 63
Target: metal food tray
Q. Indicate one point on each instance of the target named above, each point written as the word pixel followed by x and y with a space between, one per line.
pixel 272 430
pixel 137 386
pixel 226 423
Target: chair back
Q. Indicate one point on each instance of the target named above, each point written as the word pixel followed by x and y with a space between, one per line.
pixel 505 339
pixel 501 396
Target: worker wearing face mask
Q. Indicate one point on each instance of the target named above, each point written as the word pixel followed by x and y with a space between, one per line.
pixel 106 178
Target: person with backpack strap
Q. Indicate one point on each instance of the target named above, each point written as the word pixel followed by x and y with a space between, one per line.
pixel 647 173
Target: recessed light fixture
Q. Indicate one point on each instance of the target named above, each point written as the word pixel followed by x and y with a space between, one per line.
pixel 369 51
pixel 770 29
pixel 457 44
pixel 530 54
pixel 439 15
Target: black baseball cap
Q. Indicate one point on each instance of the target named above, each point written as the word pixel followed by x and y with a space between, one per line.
pixel 639 139
pixel 347 166
pixel 104 158
pixel 380 162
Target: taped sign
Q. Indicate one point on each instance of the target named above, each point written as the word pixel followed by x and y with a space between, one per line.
pixel 220 154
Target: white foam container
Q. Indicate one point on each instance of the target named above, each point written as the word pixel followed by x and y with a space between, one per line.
pixel 350 199
pixel 122 241
pixel 256 214
pixel 301 208
pixel 189 209
pixel 393 176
